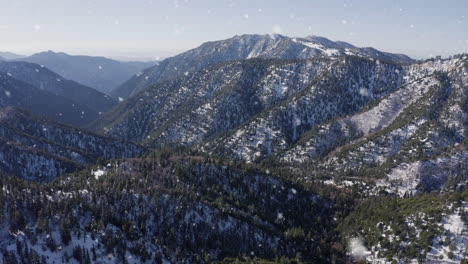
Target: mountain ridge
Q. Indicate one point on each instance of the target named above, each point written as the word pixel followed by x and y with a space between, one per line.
pixel 243 47
pixel 44 79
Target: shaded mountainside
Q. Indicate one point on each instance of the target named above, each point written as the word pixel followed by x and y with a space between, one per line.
pixel 38 149
pixel 25 96
pixel 101 73
pixel 169 207
pixel 179 208
pixel 246 47
pixel 49 81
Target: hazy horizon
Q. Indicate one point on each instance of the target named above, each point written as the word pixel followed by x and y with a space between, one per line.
pixel 148 29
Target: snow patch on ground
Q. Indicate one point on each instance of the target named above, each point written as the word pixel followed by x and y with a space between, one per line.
pixel 389 108
pixel 98 173
pixel 457 235
pixel 329 52
pixel 403 179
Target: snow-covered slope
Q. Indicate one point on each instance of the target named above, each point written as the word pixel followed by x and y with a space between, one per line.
pixel 345 115
pixel 415 136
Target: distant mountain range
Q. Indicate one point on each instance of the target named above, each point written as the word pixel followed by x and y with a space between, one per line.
pixel 37 89
pixel 246 47
pixel 100 73
pixel 25 96
pixel 10 56
pixel 46 80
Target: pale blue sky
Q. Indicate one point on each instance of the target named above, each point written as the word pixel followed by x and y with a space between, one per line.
pixel 150 28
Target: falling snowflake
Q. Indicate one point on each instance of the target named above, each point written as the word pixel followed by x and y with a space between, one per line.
pixel 37 27
pixel 280 216
pixel 276 29
pixel 344 22
pixel 246 16
pixel 7 93
pixel 363 91
pixel 100 67
pixel 120 99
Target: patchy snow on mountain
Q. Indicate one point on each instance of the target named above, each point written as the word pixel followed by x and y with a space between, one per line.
pixel 98 173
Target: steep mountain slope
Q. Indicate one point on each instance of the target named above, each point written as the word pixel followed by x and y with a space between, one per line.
pixel 342 116
pixel 347 86
pixel 203 105
pixel 246 47
pixel 25 96
pixel 49 81
pixel 37 149
pixel 101 73
pixel 413 140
